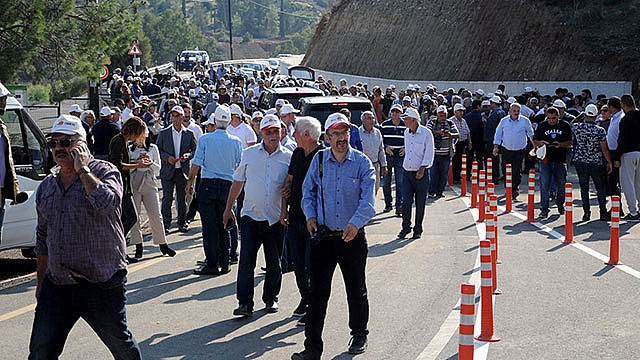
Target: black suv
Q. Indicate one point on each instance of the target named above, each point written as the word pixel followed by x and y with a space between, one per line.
pixel 269 96
pixel 322 106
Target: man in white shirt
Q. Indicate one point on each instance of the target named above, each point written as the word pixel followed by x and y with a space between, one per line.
pixel 261 172
pixel 615 107
pixel 238 128
pixel 372 145
pixel 189 123
pixel 419 154
pixel 464 141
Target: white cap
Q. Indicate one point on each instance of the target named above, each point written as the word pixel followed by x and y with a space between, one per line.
pixel 480 92
pixel 511 100
pixel 457 107
pixel 336 119
pixel 75 108
pixel 215 96
pixel 235 109
pixel 426 97
pixel 222 114
pixel 498 92
pixel 485 103
pixel 396 107
pixel 177 109
pixel 496 100
pixel 490 95
pixel 442 108
pixel 411 113
pixel 591 110
pixel 129 78
pixel 257 114
pixel 271 111
pixel 270 121
pixel 406 98
pixel 70 125
pixel 410 87
pixel 4 91
pixel 559 104
pixel 106 111
pixel 288 109
pixel 528 89
pixel 280 102
pixel 210 121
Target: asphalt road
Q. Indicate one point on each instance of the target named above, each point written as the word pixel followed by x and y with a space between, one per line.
pixel 559 302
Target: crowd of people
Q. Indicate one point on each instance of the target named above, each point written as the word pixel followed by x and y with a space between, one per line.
pixel 300 187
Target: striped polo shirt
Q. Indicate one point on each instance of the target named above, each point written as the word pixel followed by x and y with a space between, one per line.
pixel 393 135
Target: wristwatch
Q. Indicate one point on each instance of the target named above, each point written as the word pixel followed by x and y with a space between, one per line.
pixel 84 170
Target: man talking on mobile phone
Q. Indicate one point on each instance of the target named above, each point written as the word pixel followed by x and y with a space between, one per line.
pixel 80 247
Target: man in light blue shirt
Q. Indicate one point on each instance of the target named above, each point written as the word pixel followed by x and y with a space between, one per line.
pixel 340 200
pixel 510 140
pixel 217 154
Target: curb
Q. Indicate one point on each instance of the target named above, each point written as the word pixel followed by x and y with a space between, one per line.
pixel 17 281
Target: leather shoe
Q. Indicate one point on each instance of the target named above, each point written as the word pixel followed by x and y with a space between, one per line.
pixel 387 209
pixel 166 250
pixel 416 235
pixel 139 249
pixel 131 260
pixel 404 233
pixel 358 344
pixel 272 307
pixel 183 228
pixel 305 355
pixel 224 270
pixel 207 270
pixel 243 310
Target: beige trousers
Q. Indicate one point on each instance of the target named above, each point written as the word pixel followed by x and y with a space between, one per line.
pixel 145 191
pixel 630 179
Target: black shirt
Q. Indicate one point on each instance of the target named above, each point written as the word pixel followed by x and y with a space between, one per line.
pixel 557 133
pixel 476 127
pixel 628 140
pixel 298 169
pixel 103 131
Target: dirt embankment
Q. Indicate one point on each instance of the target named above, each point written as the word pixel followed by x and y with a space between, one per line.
pixel 481 40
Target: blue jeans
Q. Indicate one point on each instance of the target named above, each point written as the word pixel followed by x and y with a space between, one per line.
pixel 418 189
pixel 598 175
pixel 299 243
pixel 394 165
pixel 101 305
pixel 556 172
pixel 212 200
pixel 256 233
pixel 439 173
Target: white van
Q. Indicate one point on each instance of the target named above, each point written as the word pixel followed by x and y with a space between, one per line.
pixel 32 161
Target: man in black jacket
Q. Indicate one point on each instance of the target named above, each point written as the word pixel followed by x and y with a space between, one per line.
pixel 627 155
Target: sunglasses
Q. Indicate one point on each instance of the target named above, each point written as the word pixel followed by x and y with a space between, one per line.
pixel 395 110
pixel 604 110
pixel 65 143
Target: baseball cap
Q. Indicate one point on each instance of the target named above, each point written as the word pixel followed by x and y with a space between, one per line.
pixel 591 110
pixel 271 111
pixel 257 114
pixel 559 104
pixel 270 121
pixel 498 92
pixel 288 109
pixel 235 109
pixel 137 105
pixel 336 119
pixel 480 92
pixel 441 109
pixel 4 91
pixel 496 100
pixel 457 107
pixel 70 125
pixel 75 108
pixel 280 102
pixel 486 103
pixel 406 98
pixel 411 113
pixel 528 89
pixel 511 100
pixel 106 111
pixel 222 114
pixel 178 109
pixel 210 121
pixel 396 107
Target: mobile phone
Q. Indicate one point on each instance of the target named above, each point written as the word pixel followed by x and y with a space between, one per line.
pixel 74 154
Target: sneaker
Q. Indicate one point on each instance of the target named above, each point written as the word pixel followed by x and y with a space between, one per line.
pixel 358 344
pixel 587 216
pixel 399 211
pixel 272 307
pixel 302 321
pixel 543 214
pixel 552 196
pixel 433 196
pixel 561 209
pixel 301 310
pixel 632 218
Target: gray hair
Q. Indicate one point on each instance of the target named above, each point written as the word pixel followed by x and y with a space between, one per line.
pixel 310 124
pixel 516 105
pixel 87 113
pixel 365 113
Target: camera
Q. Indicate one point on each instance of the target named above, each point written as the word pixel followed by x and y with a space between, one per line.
pixel 321 233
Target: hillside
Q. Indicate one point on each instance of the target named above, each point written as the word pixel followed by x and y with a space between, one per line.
pixel 480 39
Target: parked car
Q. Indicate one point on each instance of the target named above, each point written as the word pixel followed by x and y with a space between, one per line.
pixel 291 94
pixel 301 72
pixel 186 60
pixel 33 162
pixel 320 107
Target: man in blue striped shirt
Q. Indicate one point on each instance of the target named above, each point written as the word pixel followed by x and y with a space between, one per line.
pixel 393 139
pixel 343 201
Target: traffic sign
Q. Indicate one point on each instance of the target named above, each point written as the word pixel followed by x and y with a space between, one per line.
pixel 104 73
pixel 135 49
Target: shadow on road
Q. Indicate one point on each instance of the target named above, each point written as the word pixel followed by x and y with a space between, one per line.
pixel 214 293
pixel 389 248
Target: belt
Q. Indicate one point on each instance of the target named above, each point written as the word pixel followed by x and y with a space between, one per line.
pixel 216 181
pixel 340 233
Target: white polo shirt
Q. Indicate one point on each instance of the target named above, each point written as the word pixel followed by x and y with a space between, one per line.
pixel 418 149
pixel 244 133
pixel 263 175
pixel 177 139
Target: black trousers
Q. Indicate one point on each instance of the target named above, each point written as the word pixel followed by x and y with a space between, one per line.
pixel 352 258
pixel 456 162
pixel 613 182
pixel 496 163
pixel 129 215
pixel 513 157
pixel 477 153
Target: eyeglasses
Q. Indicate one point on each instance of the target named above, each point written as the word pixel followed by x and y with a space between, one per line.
pixel 65 143
pixel 338 133
pixel 604 110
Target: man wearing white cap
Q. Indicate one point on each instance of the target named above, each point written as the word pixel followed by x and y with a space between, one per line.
pixel 217 156
pixel 463 146
pixel 288 117
pixel 338 200
pixel 75 110
pixel 445 134
pixel 81 263
pixel 103 131
pixel 8 178
pixel 419 156
pixel 493 119
pixel 393 138
pixel 239 128
pixel 278 105
pixel 177 146
pixel 261 172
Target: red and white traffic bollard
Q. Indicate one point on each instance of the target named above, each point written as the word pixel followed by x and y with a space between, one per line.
pixel 491 190
pixel 489 170
pixel 474 184
pixel 568 214
pixel 491 236
pixel 614 237
pixel 486 296
pixel 493 207
pixel 531 196
pixel 509 191
pixel 463 175
pixel 450 178
pixel 467 321
pixel 481 197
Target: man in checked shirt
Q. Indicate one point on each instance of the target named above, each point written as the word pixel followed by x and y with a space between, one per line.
pixel 80 248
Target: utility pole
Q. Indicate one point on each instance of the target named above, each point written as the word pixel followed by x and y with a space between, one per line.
pixel 230 33
pixel 281 19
